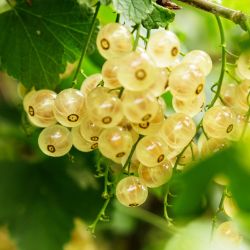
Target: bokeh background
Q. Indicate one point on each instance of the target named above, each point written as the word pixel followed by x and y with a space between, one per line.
pixel 42 199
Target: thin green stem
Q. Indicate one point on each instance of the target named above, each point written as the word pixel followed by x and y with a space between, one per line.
pixel 183 150
pixel 86 44
pixel 223 62
pixel 218 211
pixel 101 216
pixel 232 76
pixel 166 205
pixel 137 36
pixel 147 37
pixel 117 20
pixel 231 54
pixel 132 152
pixel 247 119
pixel 121 92
pixel 105 193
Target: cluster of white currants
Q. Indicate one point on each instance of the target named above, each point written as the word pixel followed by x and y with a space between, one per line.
pixel 121 108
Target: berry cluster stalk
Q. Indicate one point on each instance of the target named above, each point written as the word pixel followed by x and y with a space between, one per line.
pixel 86 44
pixel 235 16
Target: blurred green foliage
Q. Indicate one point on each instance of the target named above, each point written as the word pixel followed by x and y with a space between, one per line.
pixel 40 197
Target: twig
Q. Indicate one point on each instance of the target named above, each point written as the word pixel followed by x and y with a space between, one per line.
pixel 235 16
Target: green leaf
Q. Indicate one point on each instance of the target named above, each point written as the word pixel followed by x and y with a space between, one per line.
pixel 37 40
pixel 39 202
pixel 106 2
pixel 159 17
pixel 134 11
pixel 193 184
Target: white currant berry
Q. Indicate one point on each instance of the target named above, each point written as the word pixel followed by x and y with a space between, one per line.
pixel 27 99
pixel 152 127
pixel 131 192
pixel 115 143
pixel 189 107
pixel 90 83
pixel 139 106
pixel 211 145
pixel 89 130
pixel 114 40
pixel 228 94
pixel 136 72
pixel 219 121
pixel 157 175
pixel 242 97
pixel 178 130
pixel 201 59
pixel 229 231
pixel 151 150
pixel 163 47
pixel 104 107
pixel 160 85
pixel 80 143
pixel 230 206
pixel 109 73
pixel 69 107
pixel 186 81
pixel 55 141
pixel 39 107
pixel 243 65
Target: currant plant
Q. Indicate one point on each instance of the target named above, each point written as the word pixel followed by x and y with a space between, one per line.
pixel 140 140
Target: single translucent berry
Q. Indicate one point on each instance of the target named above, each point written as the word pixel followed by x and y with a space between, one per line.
pixel 242 97
pixel 69 107
pixel 90 83
pixel 104 107
pixel 178 130
pixel 190 107
pixel 211 145
pixel 228 94
pixel 152 127
pixel 219 121
pixel 139 106
pixel 201 59
pixel 55 141
pixel 163 47
pixel 89 130
pixel 130 192
pixel 186 81
pixel 80 143
pixel 114 40
pixel 151 150
pixel 243 65
pixel 115 143
pixel 229 231
pixel 157 175
pixel 136 72
pixel 160 85
pixel 39 107
pixel 109 73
